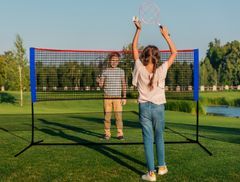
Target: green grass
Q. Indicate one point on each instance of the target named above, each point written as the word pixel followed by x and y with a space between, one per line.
pixel 230 98
pixel 56 107
pixel 72 121
pixel 226 94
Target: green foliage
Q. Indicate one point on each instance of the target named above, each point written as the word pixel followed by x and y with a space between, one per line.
pixel 8 71
pixel 7 98
pixel 182 106
pixel 237 102
pixel 10 64
pixel 21 62
pixel 208 74
pixel 221 98
pixel 221 65
pixel 132 94
pixel 180 74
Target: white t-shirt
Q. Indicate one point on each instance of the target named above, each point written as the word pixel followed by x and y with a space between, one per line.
pixel 141 79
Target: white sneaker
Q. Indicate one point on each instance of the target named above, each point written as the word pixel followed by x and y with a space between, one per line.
pixel 150 176
pixel 162 170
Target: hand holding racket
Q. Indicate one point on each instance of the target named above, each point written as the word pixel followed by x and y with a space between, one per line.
pixel 164 31
pixel 137 22
pixel 100 81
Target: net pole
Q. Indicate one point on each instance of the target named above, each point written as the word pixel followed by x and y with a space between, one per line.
pixel 33 86
pixel 197 118
pixel 196 89
pixel 32 74
pixel 32 142
pixel 196 75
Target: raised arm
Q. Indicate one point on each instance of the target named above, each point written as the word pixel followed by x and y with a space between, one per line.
pixel 135 39
pixel 171 45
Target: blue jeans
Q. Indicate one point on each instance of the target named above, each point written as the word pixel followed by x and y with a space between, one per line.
pixel 151 117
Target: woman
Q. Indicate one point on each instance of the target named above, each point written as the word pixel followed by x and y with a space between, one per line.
pixel 150 81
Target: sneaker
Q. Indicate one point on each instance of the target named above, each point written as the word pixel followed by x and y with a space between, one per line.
pixel 150 176
pixel 106 137
pixel 120 138
pixel 162 170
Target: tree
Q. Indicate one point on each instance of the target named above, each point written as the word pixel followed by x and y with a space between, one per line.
pixel 69 74
pixel 215 53
pixel 222 64
pixel 2 71
pixel 20 57
pixel 210 74
pixel 203 74
pixel 52 77
pixel 11 71
pixel 8 71
pixel 41 73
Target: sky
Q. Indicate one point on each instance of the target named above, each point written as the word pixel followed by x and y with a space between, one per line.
pixel 107 24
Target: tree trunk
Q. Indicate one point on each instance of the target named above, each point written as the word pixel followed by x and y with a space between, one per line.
pixel 21 85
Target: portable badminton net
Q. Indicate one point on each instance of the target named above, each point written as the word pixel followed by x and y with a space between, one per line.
pixel 57 75
pixel 73 74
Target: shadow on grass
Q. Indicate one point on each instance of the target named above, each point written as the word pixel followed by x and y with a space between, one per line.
pixel 96 119
pixel 231 135
pixel 69 127
pixel 7 98
pixel 13 134
pixel 109 152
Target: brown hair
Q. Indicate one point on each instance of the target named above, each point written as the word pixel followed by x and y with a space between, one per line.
pixel 113 54
pixel 150 54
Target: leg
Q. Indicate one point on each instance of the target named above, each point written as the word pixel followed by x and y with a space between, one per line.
pixel 159 125
pixel 147 131
pixel 117 106
pixel 107 116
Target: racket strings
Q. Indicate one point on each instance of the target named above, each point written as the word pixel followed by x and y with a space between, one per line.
pixel 149 12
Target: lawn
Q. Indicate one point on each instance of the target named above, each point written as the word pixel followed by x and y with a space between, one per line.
pixel 230 98
pixel 71 122
pixel 226 94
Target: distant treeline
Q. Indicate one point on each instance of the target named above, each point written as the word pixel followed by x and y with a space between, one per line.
pixel 221 66
pixel 76 74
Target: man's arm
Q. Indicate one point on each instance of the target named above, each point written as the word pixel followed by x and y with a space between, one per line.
pixel 124 90
pixel 100 81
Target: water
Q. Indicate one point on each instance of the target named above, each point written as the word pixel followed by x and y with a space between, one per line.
pixel 223 111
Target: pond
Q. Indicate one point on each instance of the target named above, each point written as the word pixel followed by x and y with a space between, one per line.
pixel 223 111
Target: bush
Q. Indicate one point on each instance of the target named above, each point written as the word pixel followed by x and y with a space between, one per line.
pixel 237 102
pixel 220 101
pixel 183 106
pixel 7 98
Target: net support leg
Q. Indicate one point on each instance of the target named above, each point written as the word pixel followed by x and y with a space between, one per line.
pixel 197 130
pixel 204 148
pixel 26 148
pixel 32 140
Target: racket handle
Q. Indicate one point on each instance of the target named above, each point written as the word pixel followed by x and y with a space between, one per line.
pixel 135 18
pixel 160 26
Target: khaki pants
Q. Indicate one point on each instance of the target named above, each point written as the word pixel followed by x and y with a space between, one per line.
pixel 116 104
